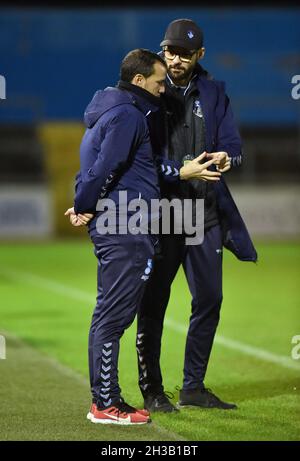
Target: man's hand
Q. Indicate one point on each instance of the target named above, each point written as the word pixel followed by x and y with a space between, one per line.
pixel 196 170
pixel 80 219
pixel 222 160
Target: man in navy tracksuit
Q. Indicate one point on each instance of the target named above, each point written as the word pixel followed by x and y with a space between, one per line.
pixel 116 156
pixel 198 119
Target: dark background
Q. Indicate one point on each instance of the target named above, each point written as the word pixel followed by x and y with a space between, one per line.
pixel 55 57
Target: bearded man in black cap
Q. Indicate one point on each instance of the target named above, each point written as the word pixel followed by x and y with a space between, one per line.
pixel 199 120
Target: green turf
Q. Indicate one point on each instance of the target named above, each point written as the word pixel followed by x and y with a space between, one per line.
pixel 40 305
pixel 43 409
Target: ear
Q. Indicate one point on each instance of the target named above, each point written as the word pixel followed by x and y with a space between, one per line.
pixel 138 80
pixel 201 53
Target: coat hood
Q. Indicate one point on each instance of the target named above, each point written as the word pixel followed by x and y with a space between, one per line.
pixel 124 93
pixel 104 100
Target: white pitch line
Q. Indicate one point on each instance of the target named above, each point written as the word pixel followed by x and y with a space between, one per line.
pixel 80 295
pixel 51 285
pixel 256 352
pixel 59 367
pixel 70 373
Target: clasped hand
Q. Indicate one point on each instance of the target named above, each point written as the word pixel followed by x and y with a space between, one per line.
pixel 197 170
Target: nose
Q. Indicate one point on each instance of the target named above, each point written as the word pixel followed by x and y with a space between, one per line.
pixel 162 89
pixel 176 60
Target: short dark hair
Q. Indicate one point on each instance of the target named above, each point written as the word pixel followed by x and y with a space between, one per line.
pixel 139 61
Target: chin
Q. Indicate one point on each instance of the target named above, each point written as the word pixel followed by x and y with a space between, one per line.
pixel 177 74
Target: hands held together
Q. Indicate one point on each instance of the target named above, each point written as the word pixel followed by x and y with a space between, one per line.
pixel 197 170
pixel 78 219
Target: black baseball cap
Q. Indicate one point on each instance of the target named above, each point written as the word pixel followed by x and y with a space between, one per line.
pixel 183 33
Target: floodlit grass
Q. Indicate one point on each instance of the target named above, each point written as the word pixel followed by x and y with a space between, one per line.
pixel 47 292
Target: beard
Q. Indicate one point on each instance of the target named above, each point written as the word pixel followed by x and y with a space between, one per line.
pixel 179 74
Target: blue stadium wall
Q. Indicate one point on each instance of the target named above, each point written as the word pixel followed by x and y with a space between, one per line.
pixel 54 60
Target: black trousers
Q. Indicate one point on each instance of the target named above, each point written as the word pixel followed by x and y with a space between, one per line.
pixel 203 270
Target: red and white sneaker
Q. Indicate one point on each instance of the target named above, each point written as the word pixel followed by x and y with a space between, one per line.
pixel 90 414
pixel 143 411
pixel 120 413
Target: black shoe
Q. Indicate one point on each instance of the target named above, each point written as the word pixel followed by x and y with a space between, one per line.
pixel 203 398
pixel 159 402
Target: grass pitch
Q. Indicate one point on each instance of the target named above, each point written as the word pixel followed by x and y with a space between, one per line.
pixel 47 298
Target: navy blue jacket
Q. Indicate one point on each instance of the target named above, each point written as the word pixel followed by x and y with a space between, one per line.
pixel 221 135
pixel 115 152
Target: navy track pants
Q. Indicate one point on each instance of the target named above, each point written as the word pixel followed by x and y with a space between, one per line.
pixel 124 266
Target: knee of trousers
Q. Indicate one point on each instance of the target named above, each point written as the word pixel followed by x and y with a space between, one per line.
pixel 210 304
pixel 108 332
